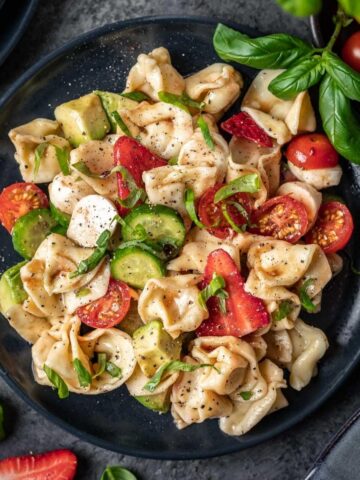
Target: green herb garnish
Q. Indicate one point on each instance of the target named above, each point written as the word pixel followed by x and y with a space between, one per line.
pixel 84 376
pixel 190 207
pixel 95 258
pixel 120 122
pixel 63 157
pixel 117 473
pixel 136 194
pixel 246 395
pixel 228 218
pixel 182 101
pixel 39 152
pixel 136 96
pixel 204 127
pixel 113 369
pixel 173 161
pixel 101 364
pixel 247 183
pixel 285 308
pixel 305 300
pixel 57 381
pixel 83 292
pixel 216 288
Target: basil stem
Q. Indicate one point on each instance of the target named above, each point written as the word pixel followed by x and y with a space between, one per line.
pixel 95 258
pixel 39 152
pixel 204 127
pixel 136 96
pixel 247 183
pixel 2 428
pixel 136 194
pixel 182 101
pixel 190 207
pixel 117 473
pixel 57 381
pixel 301 8
pixel 305 300
pixel 101 364
pixel 172 366
pixel 285 308
pixel 120 122
pixel 84 376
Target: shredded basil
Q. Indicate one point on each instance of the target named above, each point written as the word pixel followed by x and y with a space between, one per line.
pixel 57 381
pixel 120 122
pixel 84 376
pixel 2 428
pixel 63 157
pixel 236 228
pixel 182 101
pixel 113 369
pixel 117 473
pixel 136 194
pixel 285 308
pixel 95 258
pixel 173 161
pixel 83 292
pixel 246 395
pixel 305 300
pixel 39 152
pixel 136 96
pixel 247 183
pixel 190 207
pixel 172 366
pixel 101 364
pixel 214 289
pixel 204 127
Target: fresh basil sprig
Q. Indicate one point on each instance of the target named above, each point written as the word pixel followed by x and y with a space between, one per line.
pixel 117 473
pixel 305 300
pixel 249 183
pixel 2 428
pixel 95 258
pixel 204 127
pixel 57 381
pixel 216 288
pixel 172 366
pixel 190 207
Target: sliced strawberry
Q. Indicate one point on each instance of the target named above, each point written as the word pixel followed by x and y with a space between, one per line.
pixel 243 126
pixel 137 159
pixel 244 312
pixel 55 465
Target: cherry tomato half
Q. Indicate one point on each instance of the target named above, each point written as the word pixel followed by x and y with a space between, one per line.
pixel 312 151
pixel 280 217
pixel 351 51
pixel 17 200
pixel 333 227
pixel 108 310
pixel 212 216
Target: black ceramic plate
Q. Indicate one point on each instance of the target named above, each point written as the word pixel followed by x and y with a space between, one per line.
pixel 15 16
pixel 101 60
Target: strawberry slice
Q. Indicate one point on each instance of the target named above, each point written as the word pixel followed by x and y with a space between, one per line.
pixel 243 126
pixel 55 465
pixel 137 159
pixel 244 312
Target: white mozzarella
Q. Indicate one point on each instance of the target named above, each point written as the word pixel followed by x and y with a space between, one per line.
pixel 66 190
pixel 319 178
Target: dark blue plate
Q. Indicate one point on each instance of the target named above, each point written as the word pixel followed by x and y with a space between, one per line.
pixel 15 16
pixel 101 60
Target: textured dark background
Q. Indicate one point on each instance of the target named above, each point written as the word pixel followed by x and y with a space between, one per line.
pixel 286 457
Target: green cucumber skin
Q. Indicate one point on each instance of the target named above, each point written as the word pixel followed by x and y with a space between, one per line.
pixel 30 230
pixel 162 213
pixel 61 218
pixel 153 267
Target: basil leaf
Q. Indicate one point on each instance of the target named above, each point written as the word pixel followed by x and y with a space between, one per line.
pixel 204 127
pixel 301 8
pixel 83 292
pixel 246 395
pixel 217 283
pixel 101 364
pixel 339 122
pixel 351 7
pixel 113 369
pixel 57 381
pixel 241 209
pixel 298 78
pixel 272 51
pixel 222 296
pixel 285 308
pixel 136 194
pixel 63 156
pixel 2 429
pixel 247 183
pixel 190 207
pixel 182 101
pixel 85 170
pixel 84 376
pixel 347 79
pixel 136 96
pixel 95 258
pixel 120 122
pixel 117 473
pixel 305 300
pixel 173 161
pixel 172 366
pixel 39 152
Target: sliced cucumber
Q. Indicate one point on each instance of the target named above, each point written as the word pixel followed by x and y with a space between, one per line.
pixel 61 218
pixel 135 265
pixel 30 230
pixel 155 224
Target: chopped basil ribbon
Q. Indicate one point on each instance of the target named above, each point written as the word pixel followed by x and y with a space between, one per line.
pixel 190 207
pixel 113 369
pixel 285 308
pixel 95 258
pixel 2 429
pixel 101 364
pixel 305 300
pixel 117 473
pixel 204 127
pixel 136 96
pixel 182 101
pixel 62 156
pixel 246 395
pixel 214 289
pixel 83 292
pixel 57 381
pixel 172 366
pixel 242 210
pixel 173 161
pixel 247 183
pixel 120 122
pixel 85 170
pixel 84 376
pixel 39 152
pixel 136 194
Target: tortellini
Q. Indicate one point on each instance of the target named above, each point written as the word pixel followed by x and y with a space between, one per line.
pixel 319 178
pixel 62 344
pixel 174 300
pixel 279 118
pixel 66 190
pixel 154 73
pixel 28 326
pixel 236 170
pixel 135 384
pixel 218 86
pixel 27 138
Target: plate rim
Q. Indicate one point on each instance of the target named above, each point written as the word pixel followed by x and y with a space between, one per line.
pixel 52 417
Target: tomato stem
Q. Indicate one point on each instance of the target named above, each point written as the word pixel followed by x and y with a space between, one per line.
pixel 341 20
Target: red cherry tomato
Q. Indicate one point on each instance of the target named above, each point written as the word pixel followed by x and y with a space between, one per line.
pixel 281 217
pixel 351 51
pixel 244 312
pixel 212 216
pixel 242 125
pixel 18 199
pixel 108 310
pixel 333 228
pixel 312 151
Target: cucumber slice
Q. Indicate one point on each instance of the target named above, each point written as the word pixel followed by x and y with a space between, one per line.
pixel 30 230
pixel 156 224
pixel 60 217
pixel 135 265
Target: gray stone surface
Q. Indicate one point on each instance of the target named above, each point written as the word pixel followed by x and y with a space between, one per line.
pixel 286 457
